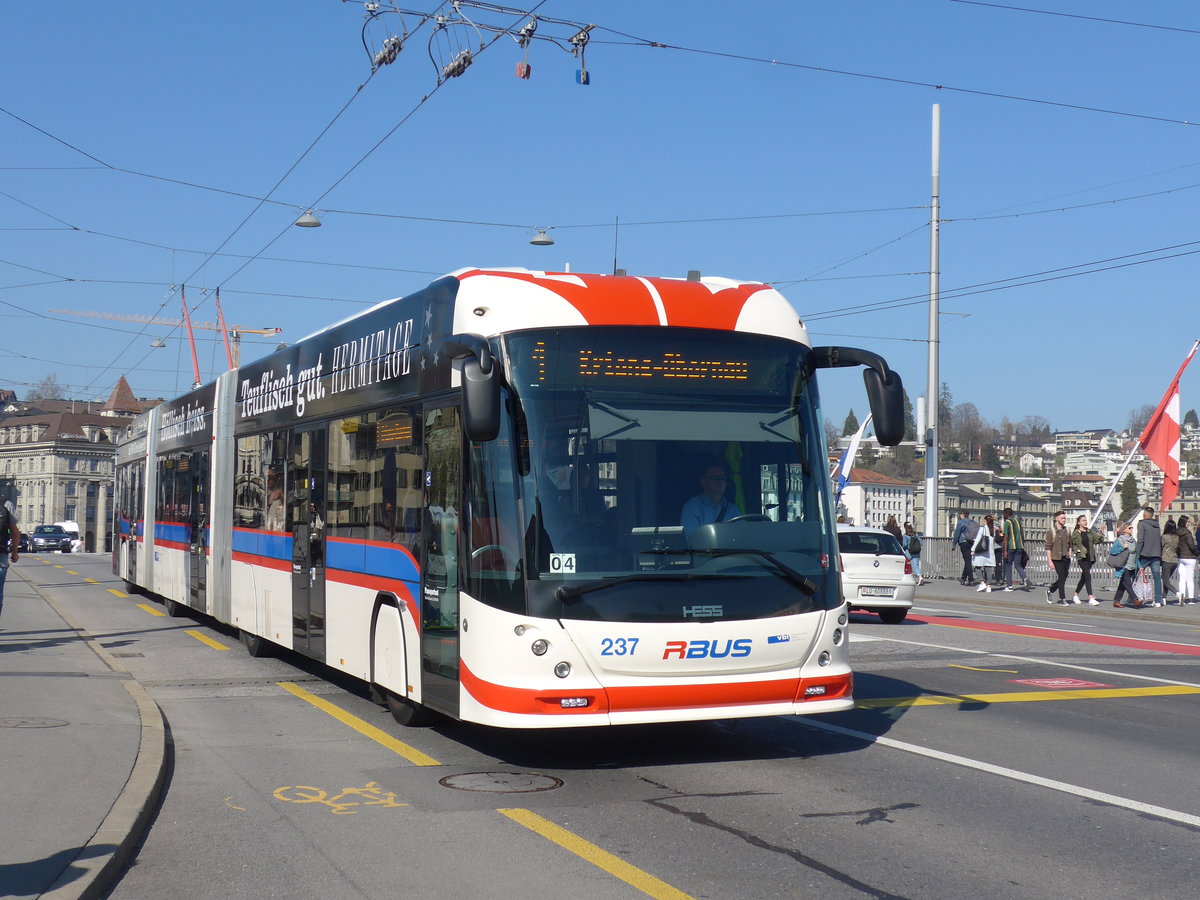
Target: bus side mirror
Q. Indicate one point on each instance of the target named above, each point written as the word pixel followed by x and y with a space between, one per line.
pixel 480 386
pixel 885 390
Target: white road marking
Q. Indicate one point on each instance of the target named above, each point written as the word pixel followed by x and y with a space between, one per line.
pixel 1044 662
pixel 1137 806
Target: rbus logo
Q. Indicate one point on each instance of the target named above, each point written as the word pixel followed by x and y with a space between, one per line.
pixel 707 649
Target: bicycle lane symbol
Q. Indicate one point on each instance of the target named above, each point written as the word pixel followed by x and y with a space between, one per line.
pixel 369 795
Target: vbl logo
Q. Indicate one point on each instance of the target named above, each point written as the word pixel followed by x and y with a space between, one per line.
pixel 707 649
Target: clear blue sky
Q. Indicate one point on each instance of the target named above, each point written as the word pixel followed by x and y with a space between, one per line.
pixel 711 157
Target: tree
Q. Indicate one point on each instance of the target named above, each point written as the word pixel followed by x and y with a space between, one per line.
pixel 831 434
pixel 47 389
pixel 1139 417
pixel 910 422
pixel 1190 418
pixel 851 425
pixel 990 457
pixel 945 405
pixel 1129 495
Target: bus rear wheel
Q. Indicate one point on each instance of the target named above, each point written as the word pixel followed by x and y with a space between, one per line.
pixel 175 609
pixel 408 713
pixel 892 616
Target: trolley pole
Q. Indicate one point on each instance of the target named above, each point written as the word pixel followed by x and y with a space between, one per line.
pixel 933 388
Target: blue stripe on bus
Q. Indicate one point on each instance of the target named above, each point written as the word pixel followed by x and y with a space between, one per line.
pixel 269 544
pixel 172 533
pixel 369 558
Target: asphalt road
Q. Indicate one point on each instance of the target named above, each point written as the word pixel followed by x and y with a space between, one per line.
pixel 969 769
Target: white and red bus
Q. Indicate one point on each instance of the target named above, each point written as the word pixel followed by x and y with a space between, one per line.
pixel 500 499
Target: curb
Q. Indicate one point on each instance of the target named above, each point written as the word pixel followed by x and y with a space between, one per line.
pixel 129 817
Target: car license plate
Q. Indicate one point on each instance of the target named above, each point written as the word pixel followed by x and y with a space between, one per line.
pixel 876 591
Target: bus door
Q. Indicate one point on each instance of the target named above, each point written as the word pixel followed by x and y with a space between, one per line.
pixel 439 569
pixel 306 510
pixel 198 520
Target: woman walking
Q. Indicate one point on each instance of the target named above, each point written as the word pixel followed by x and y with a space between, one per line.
pixel 1058 556
pixel 1186 573
pixel 983 554
pixel 1123 544
pixel 1170 556
pixel 1083 548
pixel 912 546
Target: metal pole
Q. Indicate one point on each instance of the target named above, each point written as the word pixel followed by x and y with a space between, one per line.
pixel 933 388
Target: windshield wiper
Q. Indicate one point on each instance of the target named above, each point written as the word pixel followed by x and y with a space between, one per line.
pixel 567 593
pixel 801 580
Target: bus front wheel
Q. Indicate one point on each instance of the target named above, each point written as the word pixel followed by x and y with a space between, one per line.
pixel 408 713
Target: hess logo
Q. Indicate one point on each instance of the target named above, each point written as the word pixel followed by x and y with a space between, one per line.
pixel 707 649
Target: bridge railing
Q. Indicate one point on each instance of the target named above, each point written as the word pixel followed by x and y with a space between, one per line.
pixel 941 559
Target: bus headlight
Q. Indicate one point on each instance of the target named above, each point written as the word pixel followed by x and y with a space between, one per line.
pixel 562 669
pixel 519 630
pixel 837 636
pixel 824 659
pixel 539 647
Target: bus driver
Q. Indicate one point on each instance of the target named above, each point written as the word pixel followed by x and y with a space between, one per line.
pixel 710 504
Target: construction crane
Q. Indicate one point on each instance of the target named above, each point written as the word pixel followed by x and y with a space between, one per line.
pixel 234 332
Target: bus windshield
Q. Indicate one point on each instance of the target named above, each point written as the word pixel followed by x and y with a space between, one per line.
pixel 670 475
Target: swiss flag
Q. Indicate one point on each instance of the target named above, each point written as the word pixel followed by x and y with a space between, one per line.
pixel 1160 437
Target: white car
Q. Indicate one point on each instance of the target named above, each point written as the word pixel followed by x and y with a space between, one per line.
pixel 877 576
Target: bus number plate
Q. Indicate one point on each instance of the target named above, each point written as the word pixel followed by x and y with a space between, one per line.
pixel 618 646
pixel 562 562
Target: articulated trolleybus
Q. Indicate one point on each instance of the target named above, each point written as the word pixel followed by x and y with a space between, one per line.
pixel 519 498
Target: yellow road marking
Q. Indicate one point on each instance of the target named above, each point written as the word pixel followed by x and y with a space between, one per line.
pixel 57 566
pixel 614 865
pixel 973 669
pixel 1172 690
pixel 117 593
pixel 205 639
pixel 69 572
pixel 91 581
pixel 150 609
pixel 412 754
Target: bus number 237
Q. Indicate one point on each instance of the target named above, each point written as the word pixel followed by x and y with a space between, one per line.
pixel 618 646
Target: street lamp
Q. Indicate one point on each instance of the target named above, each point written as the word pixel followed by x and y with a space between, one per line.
pixel 308 220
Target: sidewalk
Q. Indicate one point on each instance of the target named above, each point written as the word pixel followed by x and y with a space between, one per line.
pixel 1034 599
pixel 82 754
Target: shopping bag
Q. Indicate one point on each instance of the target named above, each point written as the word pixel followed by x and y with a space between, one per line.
pixel 1143 585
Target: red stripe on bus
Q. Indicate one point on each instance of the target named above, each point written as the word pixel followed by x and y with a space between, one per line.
pixel 266 562
pixel 377 583
pixel 533 701
pixel 1061 635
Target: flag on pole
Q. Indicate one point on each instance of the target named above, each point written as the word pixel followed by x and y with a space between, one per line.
pixel 841 472
pixel 1160 437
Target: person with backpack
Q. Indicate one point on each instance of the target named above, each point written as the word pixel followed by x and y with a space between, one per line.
pixel 912 546
pixel 12 534
pixel 1170 556
pixel 1083 548
pixel 1058 556
pixel 964 538
pixel 983 554
pixel 1013 543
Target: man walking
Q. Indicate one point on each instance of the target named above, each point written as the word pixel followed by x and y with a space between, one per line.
pixel 1014 549
pixel 12 534
pixel 964 537
pixel 1149 550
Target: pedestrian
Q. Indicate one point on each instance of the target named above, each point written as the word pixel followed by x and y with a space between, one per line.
pixel 1149 551
pixel 983 554
pixel 1083 548
pixel 912 546
pixel 1185 575
pixel 1170 556
pixel 1013 543
pixel 1123 545
pixel 10 534
pixel 964 537
pixel 1058 556
pixel 893 528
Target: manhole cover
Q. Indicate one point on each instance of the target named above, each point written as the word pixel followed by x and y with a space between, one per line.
pixel 42 653
pixel 127 655
pixel 501 782
pixel 30 722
